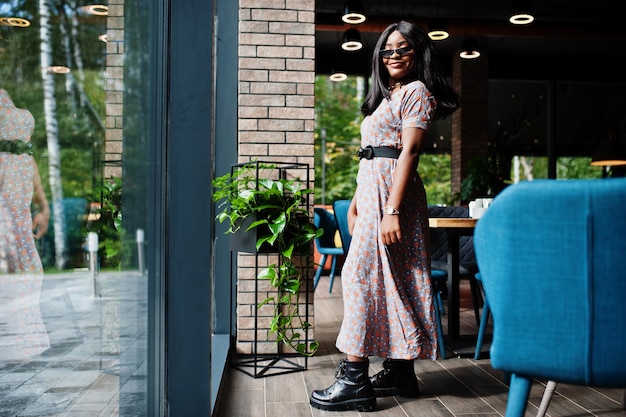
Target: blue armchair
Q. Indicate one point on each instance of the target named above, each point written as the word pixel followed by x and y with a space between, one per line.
pixel 326 244
pixel 552 256
pixel 340 208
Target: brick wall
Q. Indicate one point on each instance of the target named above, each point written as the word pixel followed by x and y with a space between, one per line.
pixel 276 123
pixel 275 118
pixel 114 87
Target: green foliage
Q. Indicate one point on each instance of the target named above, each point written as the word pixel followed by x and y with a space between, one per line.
pixel 277 203
pixel 109 222
pixel 566 168
pixel 435 172
pixel 484 178
pixel 577 168
pixel 75 164
pixel 337 138
pixel 277 207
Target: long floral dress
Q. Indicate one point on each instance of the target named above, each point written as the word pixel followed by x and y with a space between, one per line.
pixel 19 253
pixel 23 333
pixel 387 291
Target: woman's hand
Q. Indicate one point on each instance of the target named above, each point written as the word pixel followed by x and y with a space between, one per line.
pixel 390 229
pixel 40 223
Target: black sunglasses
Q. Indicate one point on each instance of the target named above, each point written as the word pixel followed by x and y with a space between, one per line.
pixel 386 53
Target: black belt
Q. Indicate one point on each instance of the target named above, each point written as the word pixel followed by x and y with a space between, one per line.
pixel 370 152
pixel 16 147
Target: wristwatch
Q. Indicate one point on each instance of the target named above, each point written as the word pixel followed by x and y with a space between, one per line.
pixel 391 210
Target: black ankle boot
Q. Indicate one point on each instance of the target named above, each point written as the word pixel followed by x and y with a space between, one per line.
pixel 351 391
pixel 396 378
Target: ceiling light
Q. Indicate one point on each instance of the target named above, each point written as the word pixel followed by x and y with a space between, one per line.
pixel 351 40
pixel 438 30
pixel 96 9
pixel 14 21
pixel 339 69
pixel 353 12
pixel 609 153
pixel 522 12
pixel 469 49
pixel 338 76
pixel 58 69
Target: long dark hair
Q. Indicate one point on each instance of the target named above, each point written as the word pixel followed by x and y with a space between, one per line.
pixel 424 68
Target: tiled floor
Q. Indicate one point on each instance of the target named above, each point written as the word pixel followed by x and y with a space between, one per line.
pixel 95 365
pixel 95 350
pixel 455 387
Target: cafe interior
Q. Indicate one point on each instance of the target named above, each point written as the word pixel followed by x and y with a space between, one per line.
pixel 549 83
pixel 531 77
pixel 551 86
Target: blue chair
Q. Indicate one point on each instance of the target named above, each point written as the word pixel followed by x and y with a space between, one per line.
pixel 551 258
pixel 75 211
pixel 326 244
pixel 483 322
pixel 340 207
pixel 439 279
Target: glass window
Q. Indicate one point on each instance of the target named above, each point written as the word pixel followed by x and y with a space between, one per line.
pixel 74 217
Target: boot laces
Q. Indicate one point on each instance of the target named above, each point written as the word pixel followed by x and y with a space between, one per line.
pixel 341 369
pixel 387 365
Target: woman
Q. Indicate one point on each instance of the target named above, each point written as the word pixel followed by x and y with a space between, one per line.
pixel 24 333
pixel 20 184
pixel 387 292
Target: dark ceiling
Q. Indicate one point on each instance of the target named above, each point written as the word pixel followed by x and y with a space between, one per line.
pixel 570 42
pixel 564 31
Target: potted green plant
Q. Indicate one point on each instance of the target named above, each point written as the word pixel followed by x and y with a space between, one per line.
pixel 108 222
pixel 254 200
pixel 484 178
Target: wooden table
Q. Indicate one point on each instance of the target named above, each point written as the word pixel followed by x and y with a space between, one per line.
pixel 454 227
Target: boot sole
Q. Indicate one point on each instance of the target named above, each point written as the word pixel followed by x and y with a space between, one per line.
pixel 405 392
pixel 360 404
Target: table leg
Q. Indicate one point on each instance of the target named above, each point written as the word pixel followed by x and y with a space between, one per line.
pixel 453 286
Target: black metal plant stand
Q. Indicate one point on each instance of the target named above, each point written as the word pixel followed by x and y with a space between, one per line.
pixel 256 364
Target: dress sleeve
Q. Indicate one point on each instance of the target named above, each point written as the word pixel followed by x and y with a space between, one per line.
pixel 418 106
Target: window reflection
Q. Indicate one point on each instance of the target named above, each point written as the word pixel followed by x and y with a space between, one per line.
pixel 73 281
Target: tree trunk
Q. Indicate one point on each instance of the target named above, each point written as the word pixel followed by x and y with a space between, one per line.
pixel 528 164
pixel 54 156
pixel 67 51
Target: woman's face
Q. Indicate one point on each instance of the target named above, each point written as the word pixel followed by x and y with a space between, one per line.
pixel 398 57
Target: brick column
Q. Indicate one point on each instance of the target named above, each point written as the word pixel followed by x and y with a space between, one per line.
pixel 114 87
pixel 470 134
pixel 276 121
